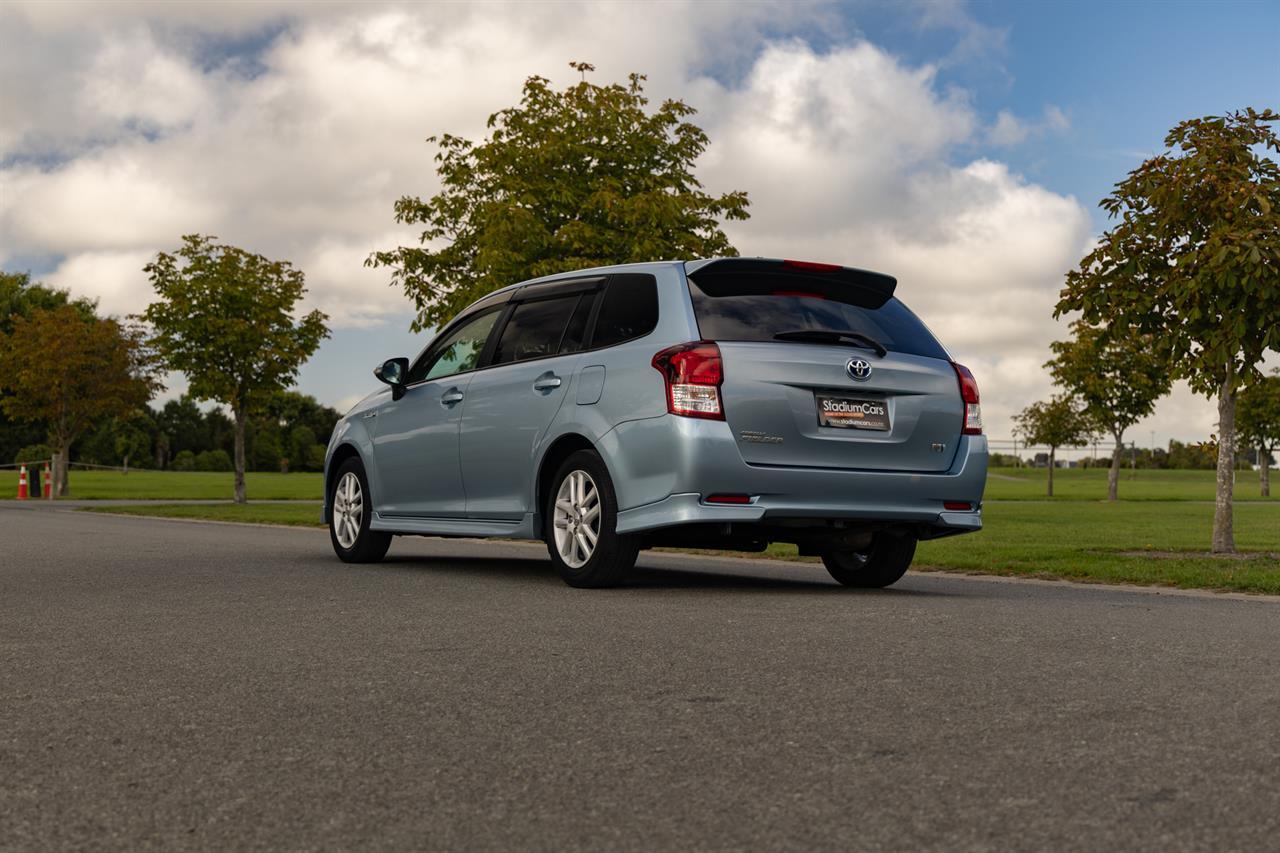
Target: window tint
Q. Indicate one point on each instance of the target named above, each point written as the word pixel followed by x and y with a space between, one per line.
pixel 535 329
pixel 577 331
pixel 750 310
pixel 459 351
pixel 629 310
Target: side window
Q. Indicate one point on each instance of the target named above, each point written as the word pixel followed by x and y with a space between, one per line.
pixel 459 351
pixel 535 329
pixel 629 310
pixel 576 333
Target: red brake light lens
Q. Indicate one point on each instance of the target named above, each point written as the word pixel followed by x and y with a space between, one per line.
pixel 969 393
pixel 728 499
pixel 693 373
pixel 810 266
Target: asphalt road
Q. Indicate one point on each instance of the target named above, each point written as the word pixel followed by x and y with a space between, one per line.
pixel 170 685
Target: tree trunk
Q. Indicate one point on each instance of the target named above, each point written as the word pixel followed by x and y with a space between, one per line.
pixel 239 462
pixel 1224 540
pixel 1052 451
pixel 62 477
pixel 1113 476
pixel 1264 470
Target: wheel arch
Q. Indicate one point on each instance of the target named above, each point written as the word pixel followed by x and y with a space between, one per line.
pixel 341 454
pixel 559 450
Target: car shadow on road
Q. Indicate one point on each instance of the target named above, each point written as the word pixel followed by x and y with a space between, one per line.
pixel 540 570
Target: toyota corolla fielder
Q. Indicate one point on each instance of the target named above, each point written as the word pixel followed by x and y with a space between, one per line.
pixel 726 404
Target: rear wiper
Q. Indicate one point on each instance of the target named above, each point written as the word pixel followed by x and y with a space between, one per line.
pixel 826 336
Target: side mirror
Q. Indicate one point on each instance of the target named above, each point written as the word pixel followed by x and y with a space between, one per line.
pixel 393 371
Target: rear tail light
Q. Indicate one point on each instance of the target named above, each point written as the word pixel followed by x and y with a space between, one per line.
pixel 693 373
pixel 963 506
pixel 728 499
pixel 969 393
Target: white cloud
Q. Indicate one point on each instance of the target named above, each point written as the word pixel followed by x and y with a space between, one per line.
pixel 126 127
pixel 1008 129
pixel 846 156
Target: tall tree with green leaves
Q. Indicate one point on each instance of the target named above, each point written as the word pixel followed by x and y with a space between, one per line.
pixel 224 317
pixel 1194 261
pixel 1258 422
pixel 1058 422
pixel 1118 378
pixel 71 373
pixel 567 179
pixel 19 296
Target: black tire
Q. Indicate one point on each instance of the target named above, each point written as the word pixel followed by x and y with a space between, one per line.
pixel 369 546
pixel 613 556
pixel 881 564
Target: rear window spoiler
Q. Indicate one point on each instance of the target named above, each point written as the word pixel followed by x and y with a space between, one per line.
pixel 863 287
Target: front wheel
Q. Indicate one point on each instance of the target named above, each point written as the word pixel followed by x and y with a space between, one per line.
pixel 350 511
pixel 581 525
pixel 878 565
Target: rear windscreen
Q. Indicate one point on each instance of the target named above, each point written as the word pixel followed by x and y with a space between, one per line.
pixel 755 308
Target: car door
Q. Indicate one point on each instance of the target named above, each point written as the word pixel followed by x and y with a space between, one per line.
pixel 511 403
pixel 415 438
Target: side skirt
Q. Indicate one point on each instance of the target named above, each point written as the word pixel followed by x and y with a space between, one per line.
pixel 522 529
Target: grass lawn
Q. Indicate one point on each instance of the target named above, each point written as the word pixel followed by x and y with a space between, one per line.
pixel 193 485
pixel 1008 484
pixel 1090 484
pixel 1074 540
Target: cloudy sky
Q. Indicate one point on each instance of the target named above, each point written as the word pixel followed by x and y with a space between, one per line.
pixel 962 148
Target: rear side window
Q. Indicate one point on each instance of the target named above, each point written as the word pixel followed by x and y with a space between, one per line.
pixel 629 309
pixel 757 308
pixel 576 334
pixel 535 329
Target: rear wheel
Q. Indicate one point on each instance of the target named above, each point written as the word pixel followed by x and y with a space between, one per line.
pixel 878 565
pixel 350 511
pixel 581 520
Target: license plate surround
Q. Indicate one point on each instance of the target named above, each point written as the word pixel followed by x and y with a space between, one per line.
pixel 842 411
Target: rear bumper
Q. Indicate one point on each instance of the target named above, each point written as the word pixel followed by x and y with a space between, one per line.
pixel 663 468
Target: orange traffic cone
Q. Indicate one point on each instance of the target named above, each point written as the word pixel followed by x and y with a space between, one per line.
pixel 48 482
pixel 22 483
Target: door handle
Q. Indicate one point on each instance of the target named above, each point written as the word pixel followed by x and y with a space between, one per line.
pixel 546 382
pixel 451 397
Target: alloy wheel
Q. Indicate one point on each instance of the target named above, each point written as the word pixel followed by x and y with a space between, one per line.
pixel 348 510
pixel 576 518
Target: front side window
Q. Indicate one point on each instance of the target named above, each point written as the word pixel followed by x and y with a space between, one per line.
pixel 459 351
pixel 534 329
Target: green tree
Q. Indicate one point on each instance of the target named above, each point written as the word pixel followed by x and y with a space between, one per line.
pixel 19 296
pixel 301 440
pixel 1194 261
pixel 71 374
pixel 292 409
pixel 1119 378
pixel 1059 422
pixel 567 179
pixel 225 319
pixel 185 424
pixel 268 450
pixel 1258 422
pixel 213 460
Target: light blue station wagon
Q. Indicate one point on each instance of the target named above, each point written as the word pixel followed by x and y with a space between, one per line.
pixel 723 403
